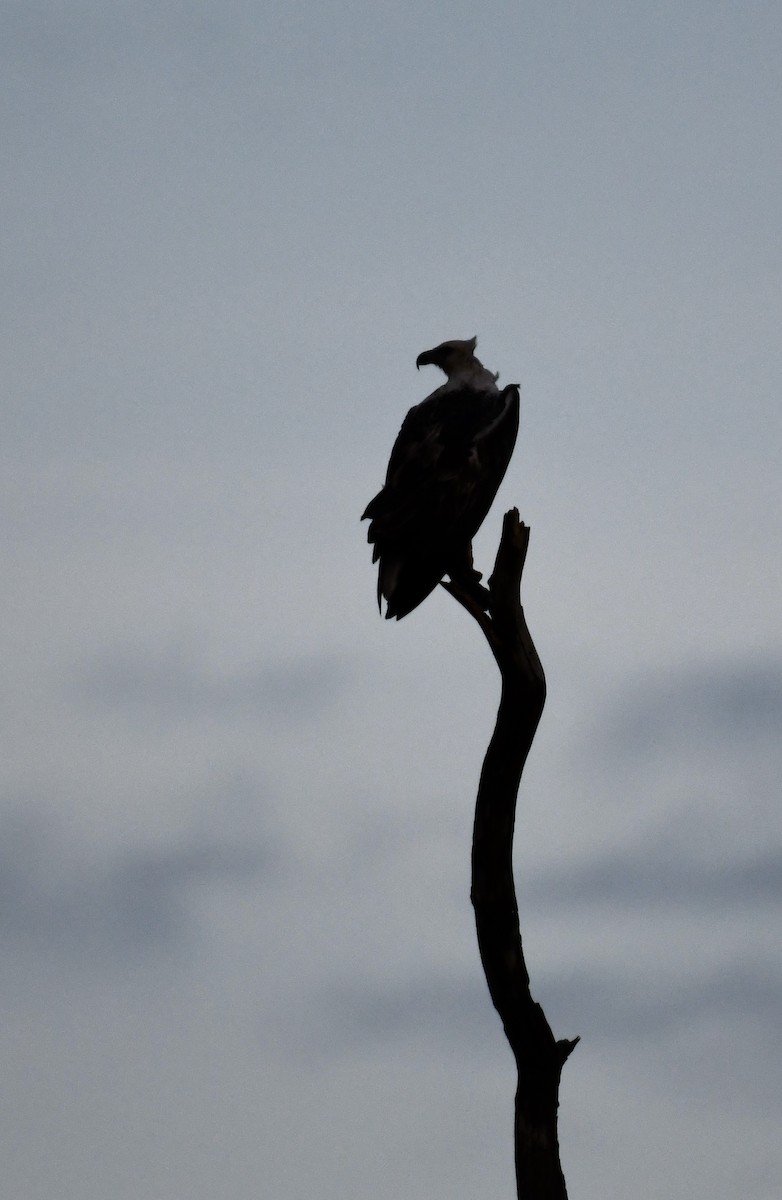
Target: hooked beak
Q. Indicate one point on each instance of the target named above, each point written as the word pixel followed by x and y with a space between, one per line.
pixel 428 358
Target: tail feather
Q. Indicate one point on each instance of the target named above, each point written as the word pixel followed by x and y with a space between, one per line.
pixel 404 585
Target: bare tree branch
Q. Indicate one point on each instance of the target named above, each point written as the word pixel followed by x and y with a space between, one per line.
pixel 539 1056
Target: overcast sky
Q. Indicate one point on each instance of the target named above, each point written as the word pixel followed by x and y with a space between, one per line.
pixel 238 956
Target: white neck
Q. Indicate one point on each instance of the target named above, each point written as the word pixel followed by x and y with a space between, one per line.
pixel 472 372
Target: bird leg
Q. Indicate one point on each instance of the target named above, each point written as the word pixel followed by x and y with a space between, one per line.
pixel 464 576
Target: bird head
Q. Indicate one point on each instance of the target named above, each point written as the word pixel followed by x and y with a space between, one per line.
pixel 453 357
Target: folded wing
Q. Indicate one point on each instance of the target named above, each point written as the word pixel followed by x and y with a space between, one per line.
pixel 446 465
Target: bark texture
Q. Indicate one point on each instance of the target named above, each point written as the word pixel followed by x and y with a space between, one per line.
pixel 539 1056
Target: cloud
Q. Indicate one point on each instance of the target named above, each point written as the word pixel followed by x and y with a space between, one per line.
pixel 659 873
pixel 430 1008
pixel 177 684
pixel 55 897
pixel 717 703
pixel 592 1002
pixel 609 1004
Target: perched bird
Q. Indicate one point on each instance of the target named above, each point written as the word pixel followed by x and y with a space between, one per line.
pixel 447 463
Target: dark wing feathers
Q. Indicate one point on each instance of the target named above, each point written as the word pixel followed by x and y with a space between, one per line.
pixel 446 465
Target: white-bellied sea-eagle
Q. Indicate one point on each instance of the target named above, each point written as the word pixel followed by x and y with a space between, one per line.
pixel 447 463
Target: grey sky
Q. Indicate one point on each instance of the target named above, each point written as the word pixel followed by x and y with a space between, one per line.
pixel 235 806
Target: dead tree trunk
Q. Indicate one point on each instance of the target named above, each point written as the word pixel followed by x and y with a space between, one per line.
pixel 539 1056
